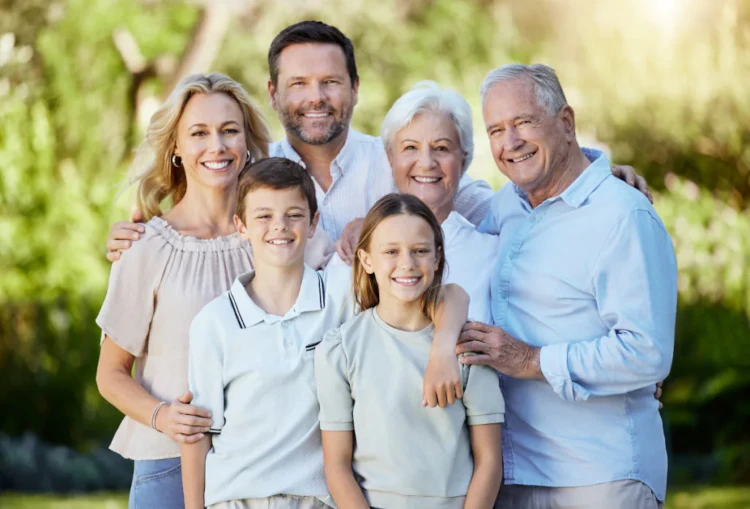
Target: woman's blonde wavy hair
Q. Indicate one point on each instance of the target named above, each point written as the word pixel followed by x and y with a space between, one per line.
pixel 158 179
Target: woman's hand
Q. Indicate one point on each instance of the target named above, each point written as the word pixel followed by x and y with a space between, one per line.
pixel 123 234
pixel 182 422
pixel 631 178
pixel 346 246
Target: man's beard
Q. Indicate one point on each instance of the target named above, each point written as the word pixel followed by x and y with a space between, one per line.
pixel 293 127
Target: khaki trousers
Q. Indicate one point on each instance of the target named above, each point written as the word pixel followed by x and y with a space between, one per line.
pixel 276 502
pixel 628 494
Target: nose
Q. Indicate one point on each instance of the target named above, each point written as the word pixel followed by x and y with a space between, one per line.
pixel 426 158
pixel 216 142
pixel 512 141
pixel 279 224
pixel 317 93
pixel 406 260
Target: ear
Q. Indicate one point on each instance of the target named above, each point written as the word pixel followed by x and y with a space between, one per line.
pixel 355 92
pixel 365 260
pixel 241 228
pixel 177 151
pixel 313 225
pixel 568 118
pixel 272 94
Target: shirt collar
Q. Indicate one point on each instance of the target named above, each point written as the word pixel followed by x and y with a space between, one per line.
pixel 344 159
pixel 312 297
pixel 583 186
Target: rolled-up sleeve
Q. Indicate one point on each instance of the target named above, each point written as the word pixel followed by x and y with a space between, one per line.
pixel 482 397
pixel 206 367
pixel 634 283
pixel 332 381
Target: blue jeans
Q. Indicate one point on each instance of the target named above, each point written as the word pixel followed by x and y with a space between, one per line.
pixel 157 484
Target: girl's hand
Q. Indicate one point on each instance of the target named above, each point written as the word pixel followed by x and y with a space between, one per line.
pixel 442 379
pixel 182 422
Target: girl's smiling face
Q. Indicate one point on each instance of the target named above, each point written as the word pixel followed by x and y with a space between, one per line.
pixel 403 258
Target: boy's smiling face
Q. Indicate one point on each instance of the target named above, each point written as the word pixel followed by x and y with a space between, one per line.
pixel 277 224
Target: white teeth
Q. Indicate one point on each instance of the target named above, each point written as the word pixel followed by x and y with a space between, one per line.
pixel 216 165
pixel 279 242
pixel 406 280
pixel 426 180
pixel 522 158
pixel 316 115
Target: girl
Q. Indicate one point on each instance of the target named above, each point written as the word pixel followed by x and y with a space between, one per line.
pixel 369 371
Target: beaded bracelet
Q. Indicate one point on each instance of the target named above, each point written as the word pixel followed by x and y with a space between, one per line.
pixel 156 411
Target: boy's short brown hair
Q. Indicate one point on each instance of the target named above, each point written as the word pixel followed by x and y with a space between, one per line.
pixel 274 173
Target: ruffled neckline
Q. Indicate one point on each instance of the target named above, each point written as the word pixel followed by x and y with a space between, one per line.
pixel 191 243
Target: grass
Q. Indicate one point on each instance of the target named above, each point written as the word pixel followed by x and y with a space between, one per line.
pixel 687 498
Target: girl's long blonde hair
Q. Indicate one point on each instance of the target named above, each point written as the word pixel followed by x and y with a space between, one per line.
pixel 366 292
pixel 158 179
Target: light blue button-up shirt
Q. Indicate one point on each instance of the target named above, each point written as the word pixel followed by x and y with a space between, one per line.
pixel 590 277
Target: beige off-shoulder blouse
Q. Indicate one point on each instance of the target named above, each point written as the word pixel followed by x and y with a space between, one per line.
pixel 155 290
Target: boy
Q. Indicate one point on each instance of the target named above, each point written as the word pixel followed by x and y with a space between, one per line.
pixel 252 351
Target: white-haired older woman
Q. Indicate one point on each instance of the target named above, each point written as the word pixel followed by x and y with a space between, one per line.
pixel 429 139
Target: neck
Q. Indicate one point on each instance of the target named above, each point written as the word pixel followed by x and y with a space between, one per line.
pixel 571 167
pixel 204 213
pixel 275 289
pixel 318 158
pixel 442 211
pixel 401 315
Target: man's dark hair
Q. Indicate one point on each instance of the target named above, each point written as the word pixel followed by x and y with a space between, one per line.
pixel 310 31
pixel 274 173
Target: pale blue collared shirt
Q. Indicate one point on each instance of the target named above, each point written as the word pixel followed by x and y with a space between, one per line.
pixel 590 277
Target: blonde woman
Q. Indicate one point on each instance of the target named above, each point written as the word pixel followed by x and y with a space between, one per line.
pixel 195 147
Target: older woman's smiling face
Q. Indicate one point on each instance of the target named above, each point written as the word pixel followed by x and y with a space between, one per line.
pixel 426 159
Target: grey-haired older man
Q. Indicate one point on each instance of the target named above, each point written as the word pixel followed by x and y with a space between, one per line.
pixel 584 297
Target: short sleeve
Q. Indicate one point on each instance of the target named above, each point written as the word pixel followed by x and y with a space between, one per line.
pixel 332 380
pixel 206 366
pixel 482 396
pixel 128 308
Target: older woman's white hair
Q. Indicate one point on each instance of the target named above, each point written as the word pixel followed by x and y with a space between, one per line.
pixel 427 96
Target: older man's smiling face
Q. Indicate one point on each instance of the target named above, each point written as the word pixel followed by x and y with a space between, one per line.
pixel 529 144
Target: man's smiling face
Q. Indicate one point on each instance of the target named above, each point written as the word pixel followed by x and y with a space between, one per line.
pixel 528 143
pixel 314 96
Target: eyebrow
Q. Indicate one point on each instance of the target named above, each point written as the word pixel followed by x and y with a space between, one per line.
pixel 262 209
pixel 327 77
pixel 221 125
pixel 409 140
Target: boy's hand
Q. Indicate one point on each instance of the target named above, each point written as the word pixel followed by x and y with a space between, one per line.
pixel 123 234
pixel 442 379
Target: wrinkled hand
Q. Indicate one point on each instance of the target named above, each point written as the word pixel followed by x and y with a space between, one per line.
pixel 496 348
pixel 122 234
pixel 442 380
pixel 182 422
pixel 629 175
pixel 346 246
pixel 658 393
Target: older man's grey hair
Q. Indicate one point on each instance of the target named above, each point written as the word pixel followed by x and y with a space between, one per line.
pixel 549 92
pixel 427 96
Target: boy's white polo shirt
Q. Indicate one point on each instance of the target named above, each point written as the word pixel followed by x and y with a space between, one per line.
pixel 254 371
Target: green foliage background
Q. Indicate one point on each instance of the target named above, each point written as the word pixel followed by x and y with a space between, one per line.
pixel 662 83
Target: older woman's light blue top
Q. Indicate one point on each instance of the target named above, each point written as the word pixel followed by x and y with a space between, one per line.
pixel 590 277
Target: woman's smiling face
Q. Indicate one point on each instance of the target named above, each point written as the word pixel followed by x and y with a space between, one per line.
pixel 211 140
pixel 426 159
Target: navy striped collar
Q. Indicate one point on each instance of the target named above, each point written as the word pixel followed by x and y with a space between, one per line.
pixel 312 297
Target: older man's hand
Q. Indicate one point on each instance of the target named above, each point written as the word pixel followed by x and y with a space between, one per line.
pixel 346 246
pixel 496 348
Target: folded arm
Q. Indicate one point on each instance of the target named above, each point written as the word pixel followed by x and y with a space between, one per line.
pixel 635 286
